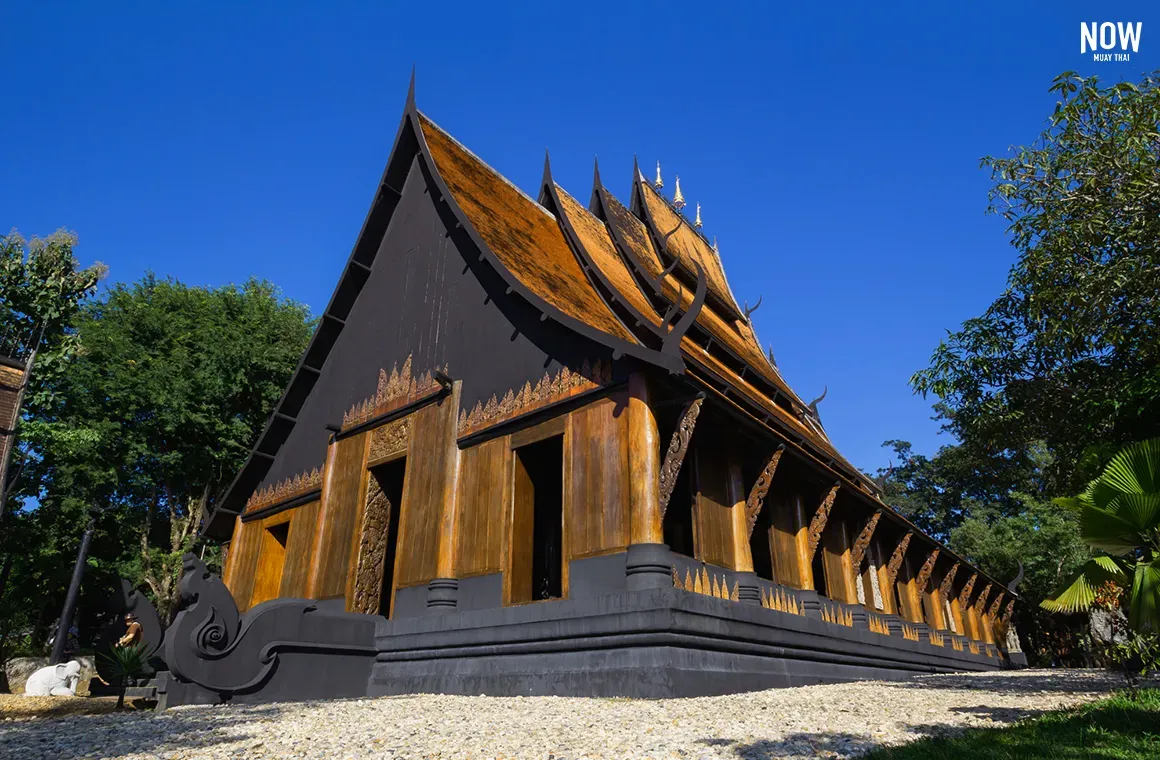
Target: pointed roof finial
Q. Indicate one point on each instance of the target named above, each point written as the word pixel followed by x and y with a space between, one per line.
pixel 698 223
pixel 678 198
pixel 715 246
pixel 658 183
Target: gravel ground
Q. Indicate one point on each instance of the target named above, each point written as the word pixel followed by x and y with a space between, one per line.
pixel 839 720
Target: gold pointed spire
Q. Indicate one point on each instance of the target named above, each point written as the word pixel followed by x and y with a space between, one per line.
pixel 658 183
pixel 678 198
pixel 698 223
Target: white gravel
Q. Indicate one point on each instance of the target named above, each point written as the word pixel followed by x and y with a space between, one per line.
pixel 838 720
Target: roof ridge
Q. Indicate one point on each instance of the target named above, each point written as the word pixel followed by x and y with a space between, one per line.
pixel 487 166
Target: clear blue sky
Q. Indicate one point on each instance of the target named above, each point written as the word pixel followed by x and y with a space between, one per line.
pixel 834 148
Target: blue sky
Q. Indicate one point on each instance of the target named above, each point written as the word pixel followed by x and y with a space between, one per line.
pixel 834 148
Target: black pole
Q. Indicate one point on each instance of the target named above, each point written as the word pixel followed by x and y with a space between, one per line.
pixel 70 599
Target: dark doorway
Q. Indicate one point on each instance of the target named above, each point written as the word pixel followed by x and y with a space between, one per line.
pixel 760 547
pixel 678 521
pixel 819 566
pixel 538 529
pixel 390 478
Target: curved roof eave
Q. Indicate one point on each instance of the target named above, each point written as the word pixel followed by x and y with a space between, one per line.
pixel 618 346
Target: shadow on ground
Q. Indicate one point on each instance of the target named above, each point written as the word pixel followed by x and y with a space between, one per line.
pixel 116 734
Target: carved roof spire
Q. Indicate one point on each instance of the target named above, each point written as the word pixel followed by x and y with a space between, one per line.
pixel 715 246
pixel 678 198
pixel 698 224
pixel 658 183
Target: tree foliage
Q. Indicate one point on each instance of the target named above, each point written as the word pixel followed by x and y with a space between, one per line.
pixel 1069 354
pixel 1119 513
pixel 167 392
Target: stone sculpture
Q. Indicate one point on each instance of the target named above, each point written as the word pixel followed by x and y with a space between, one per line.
pixel 54 681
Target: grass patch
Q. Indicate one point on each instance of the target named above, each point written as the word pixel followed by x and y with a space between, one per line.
pixel 1118 728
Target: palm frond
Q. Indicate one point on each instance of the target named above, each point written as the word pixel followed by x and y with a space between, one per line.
pixel 1078 593
pixel 1144 604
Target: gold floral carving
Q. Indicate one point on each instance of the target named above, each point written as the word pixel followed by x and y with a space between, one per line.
pixel 927 569
pixel 948 581
pixel 757 496
pixel 818 524
pixel 996 604
pixel 372 550
pixel 548 390
pixel 678 447
pixel 895 563
pixel 965 594
pixel 981 601
pixel 390 439
pixel 863 542
pixel 284 490
pixel 395 390
pixel 1007 612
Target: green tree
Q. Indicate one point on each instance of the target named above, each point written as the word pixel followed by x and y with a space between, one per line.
pixel 172 386
pixel 1119 513
pixel 1069 354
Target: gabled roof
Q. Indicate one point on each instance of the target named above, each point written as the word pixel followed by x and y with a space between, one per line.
pixel 678 239
pixel 601 273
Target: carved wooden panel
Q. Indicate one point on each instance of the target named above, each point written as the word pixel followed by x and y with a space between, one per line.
pixel 818 524
pixel 1008 612
pixel 395 390
pixel 550 389
pixel 896 559
pixel 965 594
pixel 389 440
pixel 284 490
pixel 948 581
pixel 925 573
pixel 981 600
pixel 678 448
pixel 372 551
pixel 863 541
pixel 757 496
pixel 996 604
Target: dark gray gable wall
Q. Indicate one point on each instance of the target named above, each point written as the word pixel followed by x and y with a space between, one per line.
pixel 427 296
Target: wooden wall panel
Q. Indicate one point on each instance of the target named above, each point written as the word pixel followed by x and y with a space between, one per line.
pixel 299 548
pixel 835 549
pixel 343 492
pixel 908 597
pixel 517 579
pixel 244 548
pixel 432 465
pixel 712 508
pixel 597 479
pixel 788 537
pixel 272 543
pixel 483 483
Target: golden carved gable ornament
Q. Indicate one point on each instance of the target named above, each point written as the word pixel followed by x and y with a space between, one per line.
pixel 757 496
pixel 965 594
pixel 896 559
pixel 863 543
pixel 818 524
pixel 926 571
pixel 678 447
pixel 948 581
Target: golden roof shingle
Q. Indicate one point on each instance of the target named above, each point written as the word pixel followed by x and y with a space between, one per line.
pixel 521 233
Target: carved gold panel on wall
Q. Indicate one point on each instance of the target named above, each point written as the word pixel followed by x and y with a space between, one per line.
pixel 389 440
pixel 372 550
pixel 395 390
pixel 284 490
pixel 550 389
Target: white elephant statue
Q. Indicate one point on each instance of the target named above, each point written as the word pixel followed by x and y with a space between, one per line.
pixel 55 681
